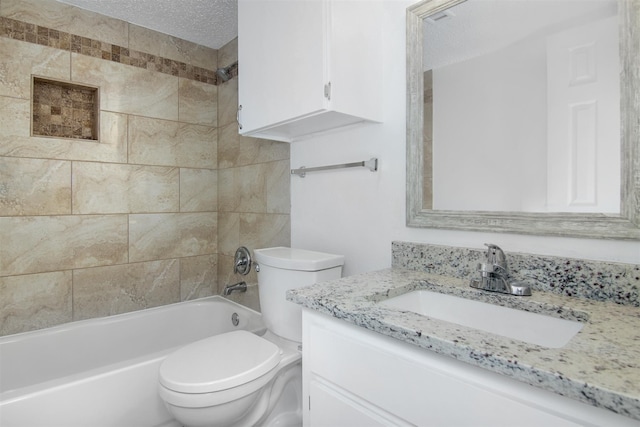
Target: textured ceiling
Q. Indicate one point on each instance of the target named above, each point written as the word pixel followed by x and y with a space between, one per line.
pixel 211 23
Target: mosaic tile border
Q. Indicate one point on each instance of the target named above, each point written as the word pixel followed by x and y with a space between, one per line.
pixel 31 33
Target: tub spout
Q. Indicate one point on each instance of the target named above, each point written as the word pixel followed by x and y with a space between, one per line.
pixel 238 287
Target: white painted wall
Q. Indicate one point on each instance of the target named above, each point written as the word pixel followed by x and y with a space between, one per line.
pixel 358 213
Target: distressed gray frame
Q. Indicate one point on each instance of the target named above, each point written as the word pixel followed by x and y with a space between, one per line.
pixel 603 226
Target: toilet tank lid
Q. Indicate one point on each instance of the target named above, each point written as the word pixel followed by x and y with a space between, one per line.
pixel 297 259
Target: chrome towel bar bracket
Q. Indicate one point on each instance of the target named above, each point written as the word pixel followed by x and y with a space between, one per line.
pixel 372 164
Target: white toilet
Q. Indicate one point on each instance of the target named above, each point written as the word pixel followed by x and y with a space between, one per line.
pixel 239 378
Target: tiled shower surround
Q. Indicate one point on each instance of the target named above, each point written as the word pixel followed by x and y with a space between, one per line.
pixel 152 212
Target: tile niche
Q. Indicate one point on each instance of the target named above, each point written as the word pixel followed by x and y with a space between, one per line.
pixel 64 110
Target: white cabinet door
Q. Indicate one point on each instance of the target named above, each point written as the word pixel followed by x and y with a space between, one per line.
pixel 307 66
pixel 350 373
pixel 281 60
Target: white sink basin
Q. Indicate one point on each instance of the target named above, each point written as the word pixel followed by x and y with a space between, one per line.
pixel 520 325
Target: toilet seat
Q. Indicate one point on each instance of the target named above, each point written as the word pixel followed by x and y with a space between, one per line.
pixel 219 363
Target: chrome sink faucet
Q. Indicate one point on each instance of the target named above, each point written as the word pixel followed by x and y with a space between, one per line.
pixel 494 274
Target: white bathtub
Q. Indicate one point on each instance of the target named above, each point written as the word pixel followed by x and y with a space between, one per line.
pixel 103 372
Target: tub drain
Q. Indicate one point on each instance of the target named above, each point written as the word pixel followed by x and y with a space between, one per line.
pixel 235 319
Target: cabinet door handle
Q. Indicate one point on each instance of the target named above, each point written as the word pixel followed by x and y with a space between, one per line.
pixel 238 117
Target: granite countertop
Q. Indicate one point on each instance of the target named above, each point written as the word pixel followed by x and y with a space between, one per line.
pixel 599 366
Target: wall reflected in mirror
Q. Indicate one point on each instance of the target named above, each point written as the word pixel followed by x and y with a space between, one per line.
pixel 521 107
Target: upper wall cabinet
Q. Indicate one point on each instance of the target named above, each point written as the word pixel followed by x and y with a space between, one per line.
pixel 307 67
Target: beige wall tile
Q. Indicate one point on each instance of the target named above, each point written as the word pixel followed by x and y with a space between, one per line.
pixel 114 188
pixel 34 301
pixel 14 124
pixel 198 103
pixel 50 243
pixel 153 141
pixel 228 103
pixel 21 59
pixel 278 177
pixel 228 54
pixel 228 233
pixel 62 17
pixel 168 143
pixel 161 236
pixel 242 189
pixel 198 277
pixel 198 146
pixel 228 198
pixel 256 188
pixel 251 187
pixel 228 146
pixel 235 150
pixel 150 41
pixel 226 275
pixel 16 142
pixel 104 291
pixel 265 230
pixel 263 150
pixel 127 89
pixel 198 190
pixel 34 187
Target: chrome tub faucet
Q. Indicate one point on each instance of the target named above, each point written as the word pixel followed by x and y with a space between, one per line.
pixel 494 275
pixel 238 287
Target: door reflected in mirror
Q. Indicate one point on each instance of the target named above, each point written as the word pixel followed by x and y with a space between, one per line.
pixel 522 107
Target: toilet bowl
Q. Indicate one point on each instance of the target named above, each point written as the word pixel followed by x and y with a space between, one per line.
pixel 228 380
pixel 242 379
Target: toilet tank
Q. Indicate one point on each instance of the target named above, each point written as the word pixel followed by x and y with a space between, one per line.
pixel 282 269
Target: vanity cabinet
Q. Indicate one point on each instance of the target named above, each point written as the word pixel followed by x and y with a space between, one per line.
pixel 356 377
pixel 307 67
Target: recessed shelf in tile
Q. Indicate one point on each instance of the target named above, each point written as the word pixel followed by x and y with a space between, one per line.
pixel 64 110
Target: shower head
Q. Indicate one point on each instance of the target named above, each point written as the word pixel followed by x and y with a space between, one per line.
pixel 223 75
pixel 227 73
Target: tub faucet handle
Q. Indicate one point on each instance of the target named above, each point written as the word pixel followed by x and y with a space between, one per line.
pixel 242 261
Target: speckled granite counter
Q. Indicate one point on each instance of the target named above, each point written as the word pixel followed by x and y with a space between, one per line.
pixel 599 366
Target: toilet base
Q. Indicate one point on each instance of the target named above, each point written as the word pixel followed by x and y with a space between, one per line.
pixel 224 415
pixel 287 412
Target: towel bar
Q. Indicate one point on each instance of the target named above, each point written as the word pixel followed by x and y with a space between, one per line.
pixel 372 164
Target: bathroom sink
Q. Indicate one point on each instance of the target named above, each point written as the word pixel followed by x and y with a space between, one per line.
pixel 520 325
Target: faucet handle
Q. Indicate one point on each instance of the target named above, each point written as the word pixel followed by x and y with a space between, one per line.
pixel 496 256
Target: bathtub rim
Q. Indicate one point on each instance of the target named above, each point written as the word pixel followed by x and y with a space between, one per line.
pixel 115 317
pixel 49 385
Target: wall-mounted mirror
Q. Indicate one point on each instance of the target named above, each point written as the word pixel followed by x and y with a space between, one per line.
pixel 523 116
